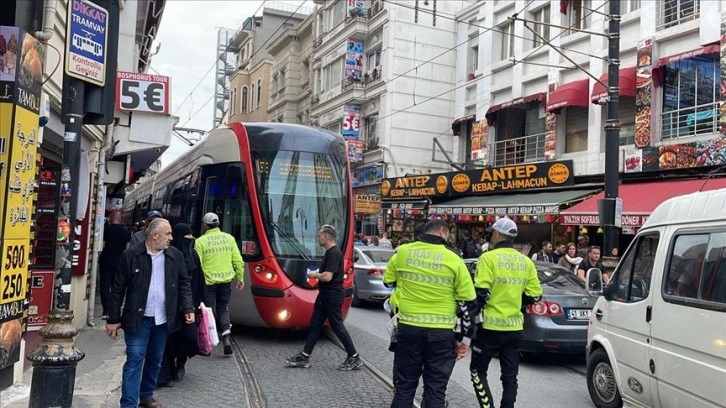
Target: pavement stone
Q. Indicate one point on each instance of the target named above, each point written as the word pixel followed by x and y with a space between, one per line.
pixel 322 385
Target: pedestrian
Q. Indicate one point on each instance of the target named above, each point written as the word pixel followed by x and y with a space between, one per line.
pixel 430 280
pixel 374 241
pixel 405 238
pixel 221 263
pixel 328 304
pixel 467 246
pixel 545 254
pixel 384 241
pixel 183 344
pixel 505 279
pixel 115 241
pixel 559 251
pixel 570 260
pixel 152 283
pixel 583 245
pixel 140 235
pixel 359 240
pixel 592 261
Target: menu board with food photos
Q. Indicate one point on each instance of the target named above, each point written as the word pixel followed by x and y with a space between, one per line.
pixel 722 111
pixel 643 92
pixel 677 156
pixel 550 147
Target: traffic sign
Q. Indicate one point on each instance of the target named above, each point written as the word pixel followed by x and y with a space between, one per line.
pixel 142 92
pixel 86 40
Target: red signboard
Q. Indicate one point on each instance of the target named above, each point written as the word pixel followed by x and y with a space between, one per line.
pixel 41 298
pixel 142 92
pixel 628 221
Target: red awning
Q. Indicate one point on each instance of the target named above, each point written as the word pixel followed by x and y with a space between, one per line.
pixel 639 200
pixel 627 85
pixel 570 94
pixel 709 49
pixel 455 125
pixel 535 97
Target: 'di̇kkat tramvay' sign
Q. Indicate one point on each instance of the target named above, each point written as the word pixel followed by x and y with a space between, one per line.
pixel 484 181
pixel 86 38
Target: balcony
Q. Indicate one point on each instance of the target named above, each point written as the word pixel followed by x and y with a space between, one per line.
pixel 375 9
pixel 675 12
pixel 525 149
pixel 696 120
pixel 352 83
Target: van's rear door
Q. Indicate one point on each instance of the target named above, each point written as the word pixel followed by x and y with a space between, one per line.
pixel 689 321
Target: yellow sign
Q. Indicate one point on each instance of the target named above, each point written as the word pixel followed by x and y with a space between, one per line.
pixel 367 203
pixel 460 183
pixel 442 183
pixel 6 123
pixel 13 283
pixel 558 173
pixel 21 175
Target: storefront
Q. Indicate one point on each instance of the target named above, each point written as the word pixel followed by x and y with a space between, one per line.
pixel 401 216
pixel 367 196
pixel 531 194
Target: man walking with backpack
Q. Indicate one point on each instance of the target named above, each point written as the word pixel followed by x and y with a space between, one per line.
pixel 467 246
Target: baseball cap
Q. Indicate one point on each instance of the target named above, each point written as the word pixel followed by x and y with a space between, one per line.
pixel 153 213
pixel 504 226
pixel 210 218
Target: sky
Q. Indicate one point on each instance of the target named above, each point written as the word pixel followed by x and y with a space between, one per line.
pixel 188 37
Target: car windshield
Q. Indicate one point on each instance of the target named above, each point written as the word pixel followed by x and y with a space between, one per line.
pixel 559 278
pixel 379 256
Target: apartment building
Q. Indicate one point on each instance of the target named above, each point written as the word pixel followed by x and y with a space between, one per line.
pixel 250 81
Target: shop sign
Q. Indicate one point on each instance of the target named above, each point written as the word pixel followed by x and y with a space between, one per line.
pixel 141 92
pixel 402 205
pixel 677 156
pixel 41 298
pixel 367 204
pixel 627 221
pixel 367 176
pixel 509 210
pixel 477 182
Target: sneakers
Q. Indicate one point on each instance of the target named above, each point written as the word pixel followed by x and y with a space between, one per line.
pixel 227 345
pixel 351 363
pixel 299 360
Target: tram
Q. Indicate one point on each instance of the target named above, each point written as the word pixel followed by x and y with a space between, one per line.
pixel 272 185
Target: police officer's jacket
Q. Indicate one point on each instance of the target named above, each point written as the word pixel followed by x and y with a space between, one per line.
pixel 507 275
pixel 430 279
pixel 220 257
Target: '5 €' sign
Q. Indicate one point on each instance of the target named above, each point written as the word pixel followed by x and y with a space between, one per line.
pixel 142 92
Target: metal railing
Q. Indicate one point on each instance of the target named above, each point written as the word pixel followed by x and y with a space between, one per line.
pixel 352 83
pixel 375 8
pixel 691 121
pixel 674 12
pixel 525 149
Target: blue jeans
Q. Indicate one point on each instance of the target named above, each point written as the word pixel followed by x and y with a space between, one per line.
pixel 144 352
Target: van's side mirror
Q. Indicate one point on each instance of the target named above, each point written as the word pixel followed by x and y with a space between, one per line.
pixel 594 281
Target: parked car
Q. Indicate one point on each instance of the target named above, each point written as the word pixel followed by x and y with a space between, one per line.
pixel 558 322
pixel 370 265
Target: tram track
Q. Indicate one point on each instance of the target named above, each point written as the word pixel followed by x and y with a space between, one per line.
pixel 252 391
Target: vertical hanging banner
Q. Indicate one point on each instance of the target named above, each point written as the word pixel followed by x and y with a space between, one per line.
pixel 550 147
pixel 18 174
pixel 722 110
pixel 351 121
pixel 86 39
pixel 480 141
pixel 643 92
pixel 354 59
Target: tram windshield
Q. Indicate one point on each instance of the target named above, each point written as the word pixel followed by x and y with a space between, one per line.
pixel 298 193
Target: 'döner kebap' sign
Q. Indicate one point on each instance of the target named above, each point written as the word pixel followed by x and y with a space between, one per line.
pixel 484 181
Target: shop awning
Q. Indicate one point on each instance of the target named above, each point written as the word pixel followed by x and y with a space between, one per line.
pixel 455 125
pixel 709 49
pixel 512 204
pixel 405 204
pixel 535 97
pixel 575 93
pixel 627 85
pixel 639 200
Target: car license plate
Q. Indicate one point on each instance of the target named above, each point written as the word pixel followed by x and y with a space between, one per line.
pixel 578 314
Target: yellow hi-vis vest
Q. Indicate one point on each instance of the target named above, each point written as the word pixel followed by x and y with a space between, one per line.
pixel 507 274
pixel 429 279
pixel 220 257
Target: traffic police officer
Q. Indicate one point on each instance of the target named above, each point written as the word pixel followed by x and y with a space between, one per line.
pixel 430 279
pixel 504 280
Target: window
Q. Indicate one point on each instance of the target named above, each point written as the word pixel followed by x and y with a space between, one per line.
pixel 630 6
pixel 578 14
pixel 333 127
pixel 626 115
pixel 371 137
pixel 243 100
pixel 520 131
pixel 507 45
pixel 697 269
pixel 305 72
pixel 474 58
pixel 675 12
pixel 542 16
pixel 233 101
pixel 635 270
pixel 691 96
pixel 333 74
pixel 282 80
pixel 576 129
pixel 252 99
pixel 259 92
pixel 336 14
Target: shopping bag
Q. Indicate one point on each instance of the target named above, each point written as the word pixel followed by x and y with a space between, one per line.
pixel 206 331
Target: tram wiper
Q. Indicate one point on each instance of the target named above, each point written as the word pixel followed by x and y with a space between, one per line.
pixel 283 234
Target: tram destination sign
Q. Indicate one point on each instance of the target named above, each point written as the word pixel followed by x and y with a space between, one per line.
pixel 516 178
pixel 86 40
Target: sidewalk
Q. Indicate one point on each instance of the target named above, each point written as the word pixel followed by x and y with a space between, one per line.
pixel 98 378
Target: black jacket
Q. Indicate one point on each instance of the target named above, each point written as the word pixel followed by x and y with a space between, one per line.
pixel 132 280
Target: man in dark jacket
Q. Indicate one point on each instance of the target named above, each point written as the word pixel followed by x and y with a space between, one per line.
pixel 152 278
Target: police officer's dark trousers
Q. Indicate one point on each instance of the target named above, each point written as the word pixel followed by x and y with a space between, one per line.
pixel 486 344
pixel 423 350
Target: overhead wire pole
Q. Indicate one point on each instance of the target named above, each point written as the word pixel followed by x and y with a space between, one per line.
pixel 607 207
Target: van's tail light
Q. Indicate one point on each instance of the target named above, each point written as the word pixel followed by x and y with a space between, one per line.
pixel 544 309
pixel 376 272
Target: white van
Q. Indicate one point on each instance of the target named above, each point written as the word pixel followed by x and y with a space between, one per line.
pixel 657 335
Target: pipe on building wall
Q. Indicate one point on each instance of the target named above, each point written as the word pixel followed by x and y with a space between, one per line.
pixel 98 220
pixel 48 21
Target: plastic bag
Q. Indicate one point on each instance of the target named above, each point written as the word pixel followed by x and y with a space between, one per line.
pixel 206 331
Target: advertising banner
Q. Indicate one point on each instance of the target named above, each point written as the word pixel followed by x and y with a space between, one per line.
pixel 722 111
pixel 86 28
pixel 367 176
pixel 41 298
pixel 550 147
pixel 356 8
pixel 142 92
pixel 480 141
pixel 633 161
pixel 643 92
pixel 354 59
pixel 678 156
pixel 367 203
pixel 355 150
pixel 482 181
pixel 351 121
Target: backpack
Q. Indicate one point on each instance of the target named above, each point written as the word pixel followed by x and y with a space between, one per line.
pixel 471 250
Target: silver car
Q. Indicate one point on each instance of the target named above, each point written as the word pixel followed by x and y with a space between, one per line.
pixel 370 265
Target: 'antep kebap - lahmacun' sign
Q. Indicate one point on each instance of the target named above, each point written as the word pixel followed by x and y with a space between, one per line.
pixel 86 35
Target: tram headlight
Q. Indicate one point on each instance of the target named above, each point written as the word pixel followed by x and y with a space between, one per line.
pixel 269 276
pixel 283 315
